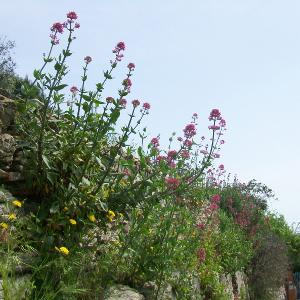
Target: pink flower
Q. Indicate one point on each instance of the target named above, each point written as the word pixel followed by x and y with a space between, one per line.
pixel 213 206
pixel 172 183
pixel 203 151
pixel 229 200
pixel 73 90
pixel 201 225
pixel 123 102
pixel 57 27
pixel 146 107
pixel 222 142
pixel 195 116
pixel 251 206
pixel 222 123
pixel 77 25
pixel 188 143
pixel 159 158
pixel 155 142
pixel 120 46
pixel 131 66
pixel 202 138
pixel 175 223
pixel 215 198
pixel 72 15
pixel 215 115
pixel 87 59
pixel 135 103
pixel 214 127
pixel 127 84
pixel 189 131
pixel 215 155
pixel 267 219
pixel 109 100
pixel 172 154
pixel 179 139
pixel 202 251
pixel 185 154
pixel 221 167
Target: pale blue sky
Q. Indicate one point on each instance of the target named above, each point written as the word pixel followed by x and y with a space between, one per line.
pixel 242 57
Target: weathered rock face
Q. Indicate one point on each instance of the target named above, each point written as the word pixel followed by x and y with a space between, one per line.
pixel 8 111
pixel 121 292
pixel 7 150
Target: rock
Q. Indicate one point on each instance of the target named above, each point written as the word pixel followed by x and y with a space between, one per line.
pixel 121 292
pixel 7 150
pixel 8 111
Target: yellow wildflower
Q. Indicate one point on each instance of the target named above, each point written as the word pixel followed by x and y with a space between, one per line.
pixel 121 215
pixel 4 225
pixel 109 218
pixel 123 183
pixel 111 213
pixel 17 203
pixel 151 248
pixel 193 235
pixel 57 249
pixel 112 190
pixel 65 208
pixel 12 216
pixel 92 218
pixel 90 235
pixel 92 196
pixel 150 230
pixel 73 222
pixel 139 214
pixel 64 250
pixel 197 203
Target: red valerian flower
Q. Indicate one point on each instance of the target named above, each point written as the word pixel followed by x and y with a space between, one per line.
pixel 88 59
pixel 57 27
pixel 72 15
pixel 135 103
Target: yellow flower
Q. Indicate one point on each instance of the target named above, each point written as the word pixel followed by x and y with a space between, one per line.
pixel 151 248
pixel 57 249
pixel 111 213
pixel 121 215
pixel 139 214
pixel 92 218
pixel 12 216
pixel 4 225
pixel 197 203
pixel 109 218
pixel 150 230
pixel 123 183
pixel 90 235
pixel 92 196
pixel 65 208
pixel 112 190
pixel 17 203
pixel 73 222
pixel 64 250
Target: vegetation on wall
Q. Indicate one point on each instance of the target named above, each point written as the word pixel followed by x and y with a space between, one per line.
pixel 111 212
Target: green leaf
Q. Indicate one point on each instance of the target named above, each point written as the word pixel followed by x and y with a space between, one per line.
pixel 59 87
pixel 106 75
pixel 57 66
pixel 62 222
pixel 51 177
pixel 99 87
pixel 54 208
pixel 36 74
pixel 46 161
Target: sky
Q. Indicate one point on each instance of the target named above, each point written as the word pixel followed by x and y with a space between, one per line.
pixel 192 56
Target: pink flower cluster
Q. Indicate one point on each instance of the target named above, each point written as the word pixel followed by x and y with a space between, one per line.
pixel 215 115
pixel 201 255
pixel 172 183
pixel 109 100
pixel 87 59
pixel 127 84
pixel 120 46
pixel 189 131
pixel 145 109
pixel 155 142
pixel 136 103
pixel 123 102
pixel 131 66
